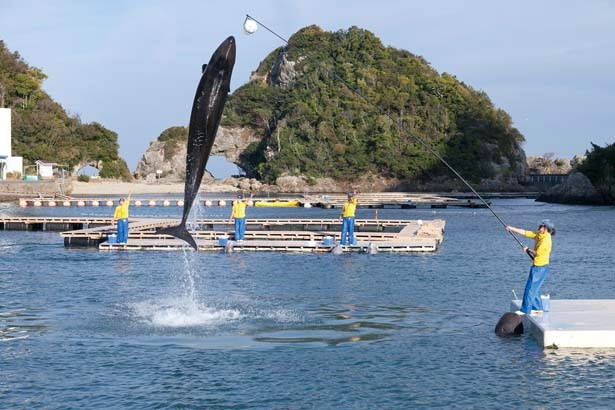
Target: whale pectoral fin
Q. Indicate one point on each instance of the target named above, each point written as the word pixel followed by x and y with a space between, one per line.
pixel 179 232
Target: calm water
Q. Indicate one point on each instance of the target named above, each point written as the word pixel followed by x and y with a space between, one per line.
pixel 86 329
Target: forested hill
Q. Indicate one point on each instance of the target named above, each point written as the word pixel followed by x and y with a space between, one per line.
pixel 599 167
pixel 42 130
pixel 313 125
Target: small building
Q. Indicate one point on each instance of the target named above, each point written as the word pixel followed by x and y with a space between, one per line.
pixel 88 171
pixel 44 169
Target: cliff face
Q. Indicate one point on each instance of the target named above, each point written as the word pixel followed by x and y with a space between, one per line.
pixel 508 170
pixel 230 142
pixel 283 72
pixel 154 159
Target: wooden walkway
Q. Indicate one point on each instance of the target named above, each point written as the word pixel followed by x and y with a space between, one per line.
pixel 282 234
pixel 295 235
pixel 32 223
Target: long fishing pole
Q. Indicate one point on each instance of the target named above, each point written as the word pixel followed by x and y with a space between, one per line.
pixel 250 29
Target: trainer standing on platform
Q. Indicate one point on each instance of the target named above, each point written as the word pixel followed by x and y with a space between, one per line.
pixel 121 218
pixel 239 214
pixel 348 211
pixel 532 303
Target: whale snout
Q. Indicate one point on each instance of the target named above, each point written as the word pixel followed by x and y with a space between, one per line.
pixel 228 49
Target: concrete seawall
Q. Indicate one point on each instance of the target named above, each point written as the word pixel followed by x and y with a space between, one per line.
pixel 12 190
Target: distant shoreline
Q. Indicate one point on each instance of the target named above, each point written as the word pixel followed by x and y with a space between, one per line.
pixel 123 188
pixel 101 188
pixel 13 190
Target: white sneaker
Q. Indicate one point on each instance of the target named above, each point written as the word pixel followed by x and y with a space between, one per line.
pixel 520 313
pixel 536 313
pixel 240 241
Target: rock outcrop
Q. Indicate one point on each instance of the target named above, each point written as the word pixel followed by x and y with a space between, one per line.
pixel 283 71
pixel 576 190
pixel 232 141
pixel 229 142
pixel 508 173
pixel 173 167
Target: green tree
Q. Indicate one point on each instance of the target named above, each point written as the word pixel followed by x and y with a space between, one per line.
pixel 599 167
pixel 41 128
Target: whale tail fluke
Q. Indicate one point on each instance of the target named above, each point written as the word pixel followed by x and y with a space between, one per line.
pixel 180 232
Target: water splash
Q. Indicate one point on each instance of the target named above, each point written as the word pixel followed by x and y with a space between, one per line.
pixel 186 307
pixel 195 214
pixel 182 312
pixel 187 277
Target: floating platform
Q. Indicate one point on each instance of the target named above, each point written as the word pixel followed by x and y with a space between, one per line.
pixel 586 323
pixel 287 235
pixel 307 246
pixel 35 223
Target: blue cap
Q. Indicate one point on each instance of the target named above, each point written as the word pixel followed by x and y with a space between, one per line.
pixel 350 194
pixel 547 224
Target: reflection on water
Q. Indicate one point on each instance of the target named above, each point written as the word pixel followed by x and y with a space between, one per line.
pixel 334 326
pixel 238 324
pixel 581 357
pixel 20 323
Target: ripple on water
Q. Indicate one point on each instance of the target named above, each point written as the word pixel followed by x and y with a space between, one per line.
pixel 245 325
pixel 20 323
pixel 332 326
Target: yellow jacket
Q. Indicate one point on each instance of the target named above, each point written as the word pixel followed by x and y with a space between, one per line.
pixel 239 209
pixel 349 208
pixel 542 247
pixel 121 211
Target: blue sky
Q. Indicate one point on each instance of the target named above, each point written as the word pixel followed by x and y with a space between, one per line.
pixel 134 65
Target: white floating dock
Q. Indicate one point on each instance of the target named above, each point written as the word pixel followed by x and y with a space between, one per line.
pixel 573 323
pixel 416 245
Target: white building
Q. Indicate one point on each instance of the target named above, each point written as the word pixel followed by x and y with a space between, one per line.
pixel 44 169
pixel 8 163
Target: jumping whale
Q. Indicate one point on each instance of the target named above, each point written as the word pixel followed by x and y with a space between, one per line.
pixel 205 117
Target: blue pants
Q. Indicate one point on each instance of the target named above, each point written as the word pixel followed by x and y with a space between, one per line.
pixel 348 230
pixel 240 228
pixel 122 230
pixel 531 296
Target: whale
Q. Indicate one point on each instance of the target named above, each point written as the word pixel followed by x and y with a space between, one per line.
pixel 207 108
pixel 510 324
pixel 372 248
pixel 337 249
